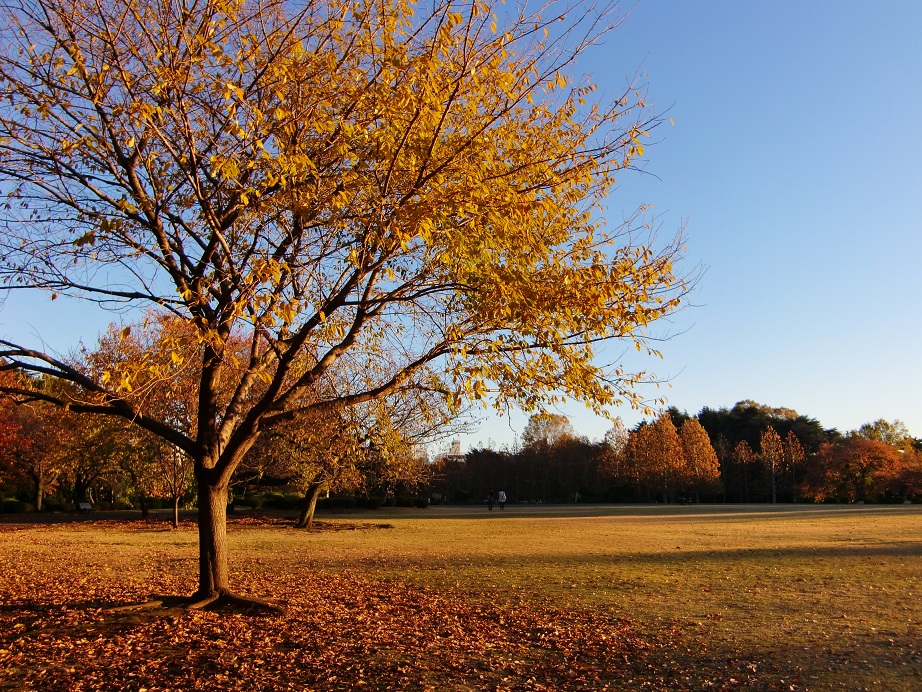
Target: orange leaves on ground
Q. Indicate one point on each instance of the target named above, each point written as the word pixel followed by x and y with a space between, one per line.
pixel 58 631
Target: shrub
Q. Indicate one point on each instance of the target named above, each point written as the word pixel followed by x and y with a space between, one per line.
pixel 255 501
pixel 56 504
pixel 16 507
pixel 422 502
pixel 286 501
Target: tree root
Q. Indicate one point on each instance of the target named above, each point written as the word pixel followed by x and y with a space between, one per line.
pixel 147 605
pixel 224 601
pixel 221 601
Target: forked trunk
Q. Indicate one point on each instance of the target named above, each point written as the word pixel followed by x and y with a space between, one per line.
pixel 212 534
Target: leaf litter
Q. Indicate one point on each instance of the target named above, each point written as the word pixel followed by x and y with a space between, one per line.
pixel 60 630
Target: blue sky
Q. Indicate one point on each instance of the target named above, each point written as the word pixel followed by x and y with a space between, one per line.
pixel 795 162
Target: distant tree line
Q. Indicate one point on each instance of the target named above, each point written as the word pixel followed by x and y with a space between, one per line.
pixel 55 460
pixel 747 453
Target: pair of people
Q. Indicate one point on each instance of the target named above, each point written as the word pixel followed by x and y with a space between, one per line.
pixel 500 497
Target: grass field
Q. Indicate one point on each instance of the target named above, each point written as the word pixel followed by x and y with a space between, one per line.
pixel 639 597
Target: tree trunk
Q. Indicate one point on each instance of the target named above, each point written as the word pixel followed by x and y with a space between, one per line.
pixel 212 538
pixel 176 509
pixel 39 489
pixel 306 518
pixel 145 510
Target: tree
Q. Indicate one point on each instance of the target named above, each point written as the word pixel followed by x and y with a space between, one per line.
pixel 772 455
pixel 743 458
pixel 747 419
pixel 317 451
pixel 702 466
pixel 31 440
pixel 614 451
pixel 894 433
pixel 91 451
pixel 656 452
pixel 794 459
pixel 854 470
pixel 725 457
pixel 159 356
pixel 546 430
pixel 339 450
pixel 412 189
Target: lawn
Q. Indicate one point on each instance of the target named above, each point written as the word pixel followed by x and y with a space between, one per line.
pixel 639 597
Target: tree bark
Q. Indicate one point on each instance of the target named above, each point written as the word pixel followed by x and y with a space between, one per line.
pixel 176 509
pixel 212 532
pixel 306 518
pixel 39 489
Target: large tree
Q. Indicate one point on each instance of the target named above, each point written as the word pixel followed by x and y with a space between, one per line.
pixel 159 357
pixel 414 189
pixel 545 430
pixel 702 468
pixel 894 433
pixel 656 452
pixel 771 453
pixel 855 469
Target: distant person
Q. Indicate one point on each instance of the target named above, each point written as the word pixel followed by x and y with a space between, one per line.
pixel 490 500
pixel 502 499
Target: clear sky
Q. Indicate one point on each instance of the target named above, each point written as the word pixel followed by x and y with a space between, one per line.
pixel 796 162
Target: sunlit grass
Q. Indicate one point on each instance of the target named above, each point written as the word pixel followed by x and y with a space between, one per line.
pixel 828 592
pixel 833 590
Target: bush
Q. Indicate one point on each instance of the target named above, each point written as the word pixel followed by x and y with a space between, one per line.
pixel 422 502
pixel 275 501
pixel 406 501
pixel 460 497
pixel 56 504
pixel 254 501
pixel 16 507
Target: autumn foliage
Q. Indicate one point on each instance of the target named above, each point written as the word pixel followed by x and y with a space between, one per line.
pixel 856 469
pixel 656 462
pixel 336 199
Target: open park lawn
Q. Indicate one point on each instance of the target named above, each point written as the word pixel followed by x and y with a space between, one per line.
pixel 581 598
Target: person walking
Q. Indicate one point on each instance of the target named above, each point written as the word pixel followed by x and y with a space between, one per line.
pixel 490 500
pixel 502 499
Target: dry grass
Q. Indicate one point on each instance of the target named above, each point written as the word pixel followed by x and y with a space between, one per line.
pixel 788 597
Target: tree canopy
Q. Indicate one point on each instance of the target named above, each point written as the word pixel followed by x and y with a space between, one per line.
pixel 408 192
